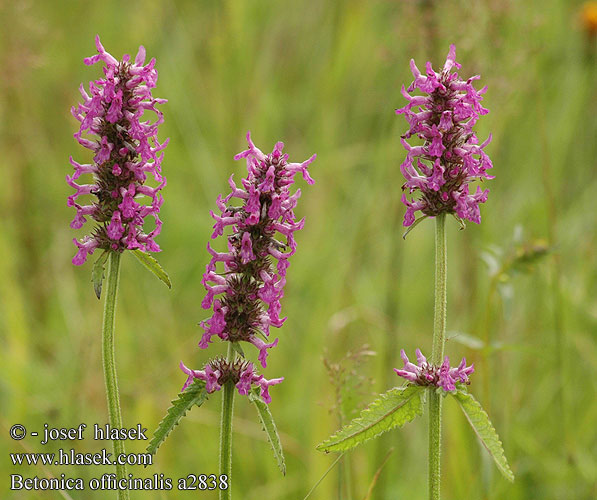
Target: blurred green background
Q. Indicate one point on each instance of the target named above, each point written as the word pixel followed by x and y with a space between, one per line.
pixel 324 77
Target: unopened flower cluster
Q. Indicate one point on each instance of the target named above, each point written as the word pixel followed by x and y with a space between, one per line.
pixel 241 373
pixel 427 374
pixel 245 294
pixel 450 158
pixel 126 150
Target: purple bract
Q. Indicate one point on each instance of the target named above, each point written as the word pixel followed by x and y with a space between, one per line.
pixel 125 148
pixel 450 157
pixel 426 374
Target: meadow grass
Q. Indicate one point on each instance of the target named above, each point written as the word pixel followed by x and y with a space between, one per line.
pixel 323 77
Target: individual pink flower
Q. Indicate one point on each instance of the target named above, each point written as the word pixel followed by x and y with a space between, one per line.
pixel 450 158
pixel 126 149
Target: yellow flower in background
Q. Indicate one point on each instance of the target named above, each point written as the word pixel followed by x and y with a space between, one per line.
pixel 589 17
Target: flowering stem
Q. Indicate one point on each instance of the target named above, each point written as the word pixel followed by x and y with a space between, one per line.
pixel 226 430
pixel 441 267
pixel 435 435
pixel 439 338
pixel 114 414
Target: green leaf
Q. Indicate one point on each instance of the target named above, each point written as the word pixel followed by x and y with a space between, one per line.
pixel 413 225
pixel 97 273
pixel 194 394
pixel 269 426
pixel 237 348
pixel 483 427
pixel 392 409
pixel 460 221
pixel 153 265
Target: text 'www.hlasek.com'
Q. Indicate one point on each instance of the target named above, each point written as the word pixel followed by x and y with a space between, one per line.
pixel 67 456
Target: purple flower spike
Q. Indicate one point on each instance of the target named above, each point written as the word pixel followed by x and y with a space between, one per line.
pixel 426 374
pixel 246 293
pixel 126 150
pixel 450 157
pixel 241 373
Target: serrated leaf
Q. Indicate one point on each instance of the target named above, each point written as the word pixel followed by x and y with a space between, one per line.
pixel 392 409
pixel 484 430
pixel 97 273
pixel 153 265
pixel 269 426
pixel 195 394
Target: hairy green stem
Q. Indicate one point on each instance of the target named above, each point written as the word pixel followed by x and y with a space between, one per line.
pixel 437 353
pixel 226 431
pixel 114 414
pixel 441 267
pixel 435 438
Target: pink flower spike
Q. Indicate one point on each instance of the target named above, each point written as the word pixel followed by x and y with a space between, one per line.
pixel 449 160
pixel 114 125
pixel 261 230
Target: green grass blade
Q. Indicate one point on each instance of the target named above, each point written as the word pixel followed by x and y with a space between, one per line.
pixel 484 430
pixel 377 474
pixel 392 409
pixel 269 426
pixel 195 394
pixel 153 265
pixel 324 475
